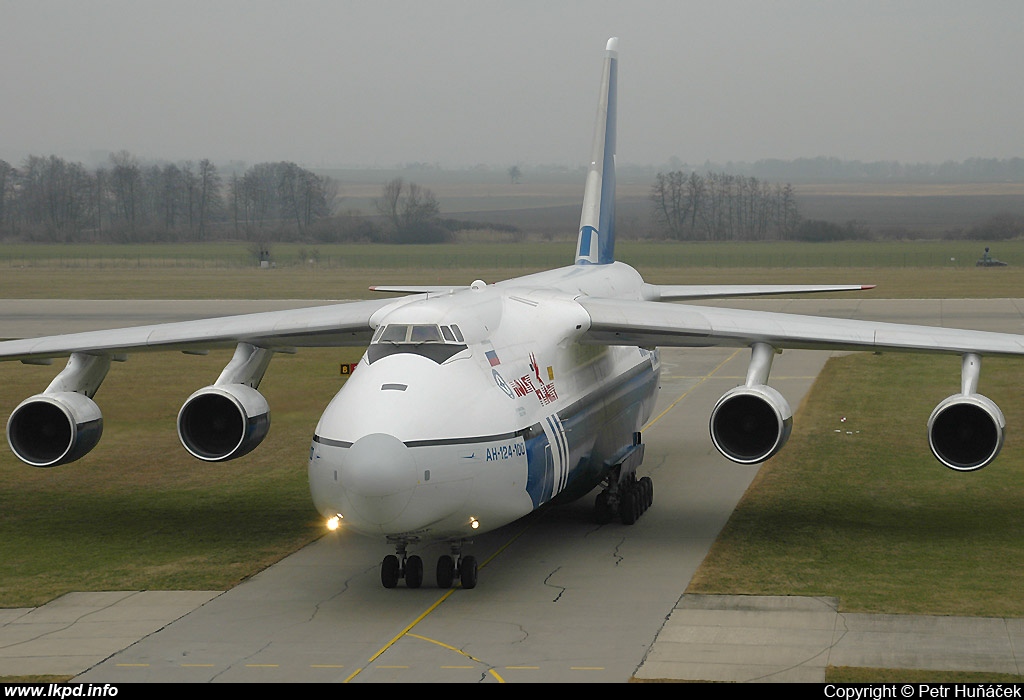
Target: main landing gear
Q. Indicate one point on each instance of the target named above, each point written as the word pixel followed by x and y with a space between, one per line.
pixel 625 495
pixel 410 567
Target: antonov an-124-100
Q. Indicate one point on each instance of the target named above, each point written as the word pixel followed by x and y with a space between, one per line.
pixel 476 405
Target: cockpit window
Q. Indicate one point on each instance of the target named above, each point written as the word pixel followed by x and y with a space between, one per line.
pixel 437 343
pixel 393 334
pixel 424 334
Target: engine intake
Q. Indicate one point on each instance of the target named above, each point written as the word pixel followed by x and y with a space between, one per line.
pixel 749 424
pixel 46 430
pixel 966 431
pixel 223 422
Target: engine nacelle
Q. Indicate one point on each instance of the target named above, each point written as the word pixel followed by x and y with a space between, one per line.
pixel 966 431
pixel 50 429
pixel 749 424
pixel 223 421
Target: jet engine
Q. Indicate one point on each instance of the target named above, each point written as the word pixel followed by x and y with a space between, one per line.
pixel 966 431
pixel 49 429
pixel 749 424
pixel 223 421
pixel 752 422
pixel 229 418
pixel 63 423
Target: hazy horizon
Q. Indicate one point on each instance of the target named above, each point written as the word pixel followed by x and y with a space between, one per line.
pixel 457 83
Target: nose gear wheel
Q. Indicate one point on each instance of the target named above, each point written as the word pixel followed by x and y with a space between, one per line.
pixel 450 567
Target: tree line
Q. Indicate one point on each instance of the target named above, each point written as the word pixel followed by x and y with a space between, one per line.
pixel 723 207
pixel 970 170
pixel 51 199
pixel 802 170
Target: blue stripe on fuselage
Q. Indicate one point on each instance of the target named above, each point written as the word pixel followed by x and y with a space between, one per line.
pixel 582 421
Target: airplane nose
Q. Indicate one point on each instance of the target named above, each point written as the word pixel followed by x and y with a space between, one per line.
pixel 378 465
pixel 379 475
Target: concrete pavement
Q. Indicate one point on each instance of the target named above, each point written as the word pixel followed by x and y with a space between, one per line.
pixel 703 637
pixel 791 639
pixel 786 639
pixel 77 631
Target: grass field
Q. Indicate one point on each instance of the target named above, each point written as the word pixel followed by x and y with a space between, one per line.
pixel 138 512
pixel 901 270
pixel 472 255
pixel 193 512
pixel 870 517
pixel 856 507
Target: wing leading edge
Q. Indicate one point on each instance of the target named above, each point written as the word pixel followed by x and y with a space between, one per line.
pixel 752 421
pixel 650 324
pixel 318 326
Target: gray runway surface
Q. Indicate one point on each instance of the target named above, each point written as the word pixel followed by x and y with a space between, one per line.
pixel 560 599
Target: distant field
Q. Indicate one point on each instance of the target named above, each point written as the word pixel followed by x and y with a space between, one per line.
pixel 512 256
pixel 226 270
pixel 549 204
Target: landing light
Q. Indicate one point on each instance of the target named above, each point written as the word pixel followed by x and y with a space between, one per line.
pixel 474 523
pixel 334 523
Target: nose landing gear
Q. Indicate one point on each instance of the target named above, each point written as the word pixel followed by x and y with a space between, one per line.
pixel 398 566
pixel 410 567
pixel 451 565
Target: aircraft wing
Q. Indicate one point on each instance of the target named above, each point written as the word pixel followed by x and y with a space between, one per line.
pixel 682 292
pixel 650 324
pixel 318 326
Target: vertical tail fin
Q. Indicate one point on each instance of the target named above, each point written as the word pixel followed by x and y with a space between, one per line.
pixel 596 243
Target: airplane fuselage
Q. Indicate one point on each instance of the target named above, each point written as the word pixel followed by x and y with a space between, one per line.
pixel 471 409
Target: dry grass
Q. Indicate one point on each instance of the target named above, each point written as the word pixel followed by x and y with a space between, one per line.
pixel 860 510
pixel 138 512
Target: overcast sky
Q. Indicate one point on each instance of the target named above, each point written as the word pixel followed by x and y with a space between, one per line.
pixel 461 82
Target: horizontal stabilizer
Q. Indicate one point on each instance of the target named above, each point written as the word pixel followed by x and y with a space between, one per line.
pixel 416 288
pixel 692 292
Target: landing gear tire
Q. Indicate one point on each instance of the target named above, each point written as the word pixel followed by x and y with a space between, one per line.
pixel 628 510
pixel 648 488
pixel 603 511
pixel 628 500
pixel 445 571
pixel 414 572
pixel 389 571
pixel 467 572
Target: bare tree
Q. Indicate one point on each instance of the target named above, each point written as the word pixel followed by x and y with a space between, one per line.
pixel 208 196
pixel 7 191
pixel 720 207
pixel 125 186
pixel 387 204
pixel 412 211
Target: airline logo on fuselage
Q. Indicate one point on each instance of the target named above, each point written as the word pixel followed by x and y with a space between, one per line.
pixel 541 384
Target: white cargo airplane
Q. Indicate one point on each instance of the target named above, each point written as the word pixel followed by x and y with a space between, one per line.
pixel 474 406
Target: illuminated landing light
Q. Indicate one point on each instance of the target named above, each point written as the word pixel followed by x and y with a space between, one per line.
pixel 474 523
pixel 334 523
